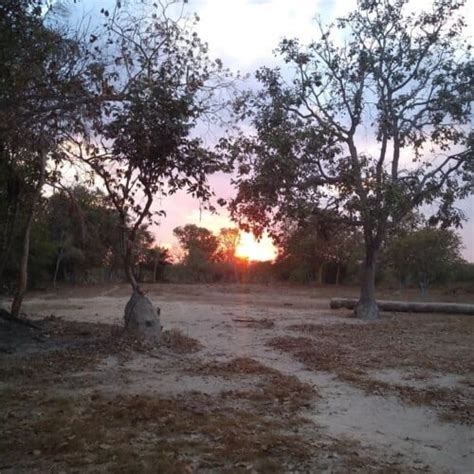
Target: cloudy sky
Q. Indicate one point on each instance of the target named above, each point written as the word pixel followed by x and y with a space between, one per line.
pixel 243 33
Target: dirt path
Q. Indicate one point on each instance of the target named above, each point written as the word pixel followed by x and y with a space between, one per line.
pixel 382 426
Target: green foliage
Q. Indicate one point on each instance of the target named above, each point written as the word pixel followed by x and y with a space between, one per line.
pixel 150 98
pixel 154 260
pixel 42 254
pixel 228 241
pixel 76 238
pixel 462 277
pixel 320 249
pixel 198 243
pixel 425 256
pixel 44 96
pixel 464 272
pixel 44 83
pixel 124 99
pixel 404 79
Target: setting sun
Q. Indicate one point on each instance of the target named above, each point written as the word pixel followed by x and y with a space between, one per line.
pixel 251 249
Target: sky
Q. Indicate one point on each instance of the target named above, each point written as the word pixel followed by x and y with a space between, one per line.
pixel 244 33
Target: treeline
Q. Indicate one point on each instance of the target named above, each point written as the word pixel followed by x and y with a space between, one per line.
pixel 76 238
pixel 114 103
pixel 326 252
pixel 121 104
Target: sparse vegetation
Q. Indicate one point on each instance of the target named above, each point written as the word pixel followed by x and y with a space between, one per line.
pixel 79 395
pixel 176 340
pixel 228 357
pixel 421 344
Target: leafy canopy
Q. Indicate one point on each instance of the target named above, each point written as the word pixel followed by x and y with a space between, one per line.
pixel 371 120
pixel 425 255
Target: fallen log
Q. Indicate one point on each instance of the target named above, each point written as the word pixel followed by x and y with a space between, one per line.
pixel 408 306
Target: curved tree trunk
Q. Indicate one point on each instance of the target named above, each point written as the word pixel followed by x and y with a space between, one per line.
pixel 23 278
pixel 127 248
pixel 367 306
pixel 129 271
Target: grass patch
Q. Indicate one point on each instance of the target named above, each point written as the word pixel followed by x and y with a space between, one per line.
pixel 422 342
pixel 139 433
pixel 269 387
pixel 239 365
pixel 177 341
pixel 452 404
pixel 64 347
pixel 125 433
pixel 262 323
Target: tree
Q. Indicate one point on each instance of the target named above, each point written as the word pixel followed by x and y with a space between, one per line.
pixel 425 255
pixel 308 247
pixel 200 248
pixel 42 93
pixel 64 214
pixel 157 258
pixel 140 252
pixel 198 243
pixel 229 238
pixel 405 78
pixel 84 228
pixel 141 143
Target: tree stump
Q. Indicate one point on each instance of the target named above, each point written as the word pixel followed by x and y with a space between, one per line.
pixel 142 319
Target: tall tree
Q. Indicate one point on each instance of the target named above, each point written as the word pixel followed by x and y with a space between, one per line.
pixel 404 77
pixel 142 143
pixel 43 91
pixel 198 243
pixel 157 258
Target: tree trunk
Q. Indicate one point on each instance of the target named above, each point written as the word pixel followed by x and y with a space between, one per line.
pixel 129 270
pixel 338 273
pixel 321 274
pixel 367 306
pixel 56 269
pixel 59 259
pixel 424 285
pixel 23 277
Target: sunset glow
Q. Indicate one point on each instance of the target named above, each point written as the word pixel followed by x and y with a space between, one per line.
pixel 252 249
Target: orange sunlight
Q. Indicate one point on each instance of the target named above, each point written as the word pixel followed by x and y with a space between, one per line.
pixel 251 249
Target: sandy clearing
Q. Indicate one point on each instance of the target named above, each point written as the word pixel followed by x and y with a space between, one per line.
pixel 384 425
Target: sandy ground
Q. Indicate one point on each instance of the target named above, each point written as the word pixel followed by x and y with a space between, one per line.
pixel 380 425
